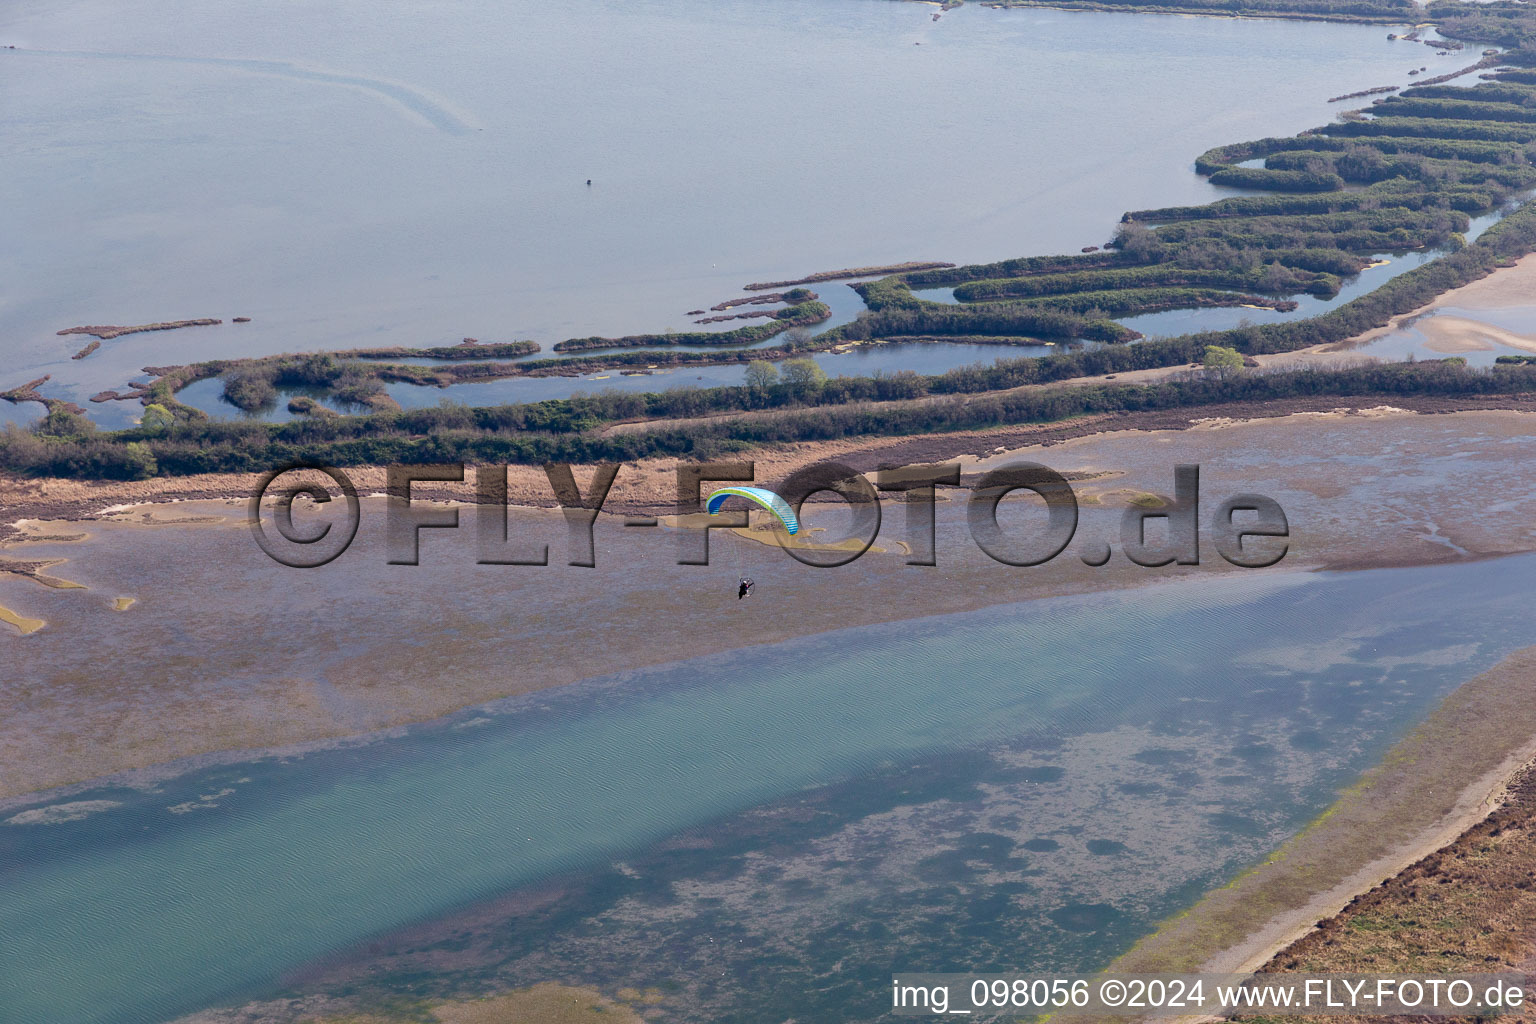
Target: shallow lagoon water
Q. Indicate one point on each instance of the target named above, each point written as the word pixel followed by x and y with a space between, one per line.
pixel 864 360
pixel 1187 321
pixel 1162 738
pixel 1409 342
pixel 416 179
pixel 1173 322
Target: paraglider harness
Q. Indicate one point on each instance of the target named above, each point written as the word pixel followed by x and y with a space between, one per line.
pixel 746 587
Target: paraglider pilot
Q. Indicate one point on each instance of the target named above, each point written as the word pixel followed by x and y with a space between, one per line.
pixel 745 589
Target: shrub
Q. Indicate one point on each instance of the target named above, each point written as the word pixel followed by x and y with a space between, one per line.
pixel 250 390
pixel 761 374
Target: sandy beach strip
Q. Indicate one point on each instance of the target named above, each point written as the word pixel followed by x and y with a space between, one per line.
pixel 1509 287
pixel 1453 334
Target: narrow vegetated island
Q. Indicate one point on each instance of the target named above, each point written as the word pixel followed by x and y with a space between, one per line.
pixel 107 332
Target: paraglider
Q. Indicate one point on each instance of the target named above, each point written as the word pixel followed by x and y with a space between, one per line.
pixel 760 496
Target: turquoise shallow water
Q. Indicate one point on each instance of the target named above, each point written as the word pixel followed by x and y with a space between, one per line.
pixel 1028 786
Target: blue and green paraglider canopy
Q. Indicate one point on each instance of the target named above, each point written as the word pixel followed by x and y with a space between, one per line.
pixel 761 496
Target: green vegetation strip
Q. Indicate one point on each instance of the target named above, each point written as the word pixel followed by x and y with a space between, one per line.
pixel 568 430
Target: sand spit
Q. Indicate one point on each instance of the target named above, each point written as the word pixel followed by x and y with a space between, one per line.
pixel 1451 334
pixel 34 572
pixel 1468 907
pixel 1511 287
pixel 21 622
pixel 106 332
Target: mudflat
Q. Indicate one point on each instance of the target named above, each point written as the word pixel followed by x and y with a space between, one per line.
pixel 224 650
